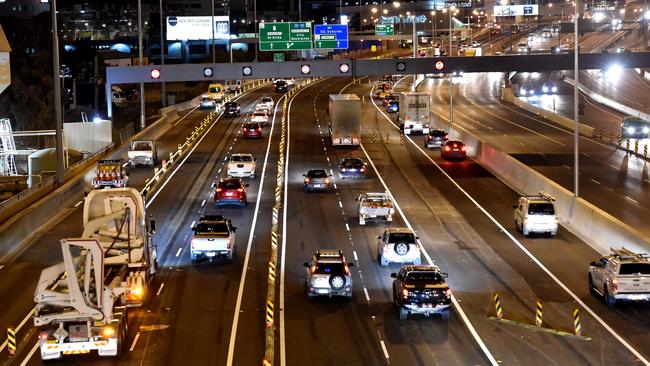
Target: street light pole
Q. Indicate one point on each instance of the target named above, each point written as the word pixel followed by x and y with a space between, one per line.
pixel 162 56
pixel 576 162
pixel 415 51
pixel 56 85
pixel 451 77
pixel 140 58
pixel 212 25
pixel 255 30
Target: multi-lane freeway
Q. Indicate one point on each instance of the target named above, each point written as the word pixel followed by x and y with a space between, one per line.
pixel 213 313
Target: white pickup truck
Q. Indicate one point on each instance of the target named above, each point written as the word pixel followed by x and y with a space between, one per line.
pixel 214 237
pixel 142 152
pixel 375 206
pixel 621 276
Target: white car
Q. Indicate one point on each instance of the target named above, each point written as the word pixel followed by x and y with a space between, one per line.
pixel 266 103
pixel 241 165
pixel 260 116
pixel 398 245
pixel 536 214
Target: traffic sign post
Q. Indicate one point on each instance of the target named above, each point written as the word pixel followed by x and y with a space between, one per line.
pixel 384 30
pixel 285 36
pixel 331 36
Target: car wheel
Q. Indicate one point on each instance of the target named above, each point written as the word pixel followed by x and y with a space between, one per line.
pixel 592 290
pixel 609 300
pixel 337 282
pixel 403 314
pixel 401 248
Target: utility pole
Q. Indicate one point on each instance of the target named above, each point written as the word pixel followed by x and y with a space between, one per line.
pixel 214 55
pixel 56 74
pixel 451 77
pixel 255 29
pixel 163 93
pixel 415 51
pixel 576 131
pixel 140 57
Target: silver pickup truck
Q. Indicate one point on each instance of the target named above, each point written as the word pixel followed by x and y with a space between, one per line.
pixel 142 152
pixel 214 238
pixel 620 276
pixel 375 206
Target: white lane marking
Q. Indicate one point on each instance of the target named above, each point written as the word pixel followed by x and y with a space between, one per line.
pixel 335 187
pixel 347 227
pixel 29 355
pixel 194 222
pixel 179 251
pixel 340 204
pixel 383 348
pixel 185 116
pixel 518 243
pixel 595 181
pixel 631 199
pixel 566 166
pixel 78 203
pixel 365 292
pixel 354 253
pixel 202 204
pixel 2 266
pixel 22 323
pixel 242 281
pixel 645 180
pixel 135 341
pixel 160 289
pixel 219 171
pixel 460 311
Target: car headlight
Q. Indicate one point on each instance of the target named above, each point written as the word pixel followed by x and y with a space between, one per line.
pixel 545 89
pixel 630 130
pixel 531 92
pixel 522 91
pixel 646 129
pixel 554 89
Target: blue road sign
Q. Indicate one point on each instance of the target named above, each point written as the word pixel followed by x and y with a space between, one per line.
pixel 331 36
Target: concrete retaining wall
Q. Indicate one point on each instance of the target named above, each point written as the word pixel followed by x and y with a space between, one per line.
pixel 593 225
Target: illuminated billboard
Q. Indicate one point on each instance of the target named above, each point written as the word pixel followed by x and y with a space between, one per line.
pixel 197 28
pixel 516 10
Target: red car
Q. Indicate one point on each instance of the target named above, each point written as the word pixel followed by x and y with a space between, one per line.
pixel 252 130
pixel 230 191
pixel 389 99
pixel 453 150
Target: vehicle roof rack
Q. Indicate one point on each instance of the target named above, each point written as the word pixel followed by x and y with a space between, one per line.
pixel 625 253
pixel 329 253
pixel 211 218
pixel 540 196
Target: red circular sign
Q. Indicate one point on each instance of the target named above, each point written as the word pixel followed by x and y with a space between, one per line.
pixel 440 65
pixel 155 73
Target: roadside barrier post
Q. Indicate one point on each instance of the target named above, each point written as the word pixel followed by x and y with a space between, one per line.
pixel 538 313
pixel 497 305
pixel 11 340
pixel 576 322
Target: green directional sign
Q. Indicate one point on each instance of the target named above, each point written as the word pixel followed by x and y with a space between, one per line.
pixel 384 30
pixel 285 36
pixel 278 57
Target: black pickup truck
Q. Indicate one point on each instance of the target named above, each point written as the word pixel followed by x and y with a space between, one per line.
pixel 421 290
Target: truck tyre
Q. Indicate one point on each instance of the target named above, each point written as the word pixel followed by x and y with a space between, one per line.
pixel 401 248
pixel 403 313
pixel 445 315
pixel 609 300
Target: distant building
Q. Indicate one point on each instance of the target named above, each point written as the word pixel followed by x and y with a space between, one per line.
pixel 23 8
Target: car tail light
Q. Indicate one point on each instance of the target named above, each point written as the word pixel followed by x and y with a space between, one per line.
pixel 455 146
pixel 312 269
pixel 447 148
pixel 429 138
pixel 448 293
pixel 219 190
pixel 463 148
pixel 43 336
pixel 405 293
pixel 363 169
pixel 346 269
pixel 327 180
pixel 307 180
pixel 228 243
pixel 240 190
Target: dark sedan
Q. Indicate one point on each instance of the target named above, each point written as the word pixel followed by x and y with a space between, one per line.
pixel 317 180
pixel 352 167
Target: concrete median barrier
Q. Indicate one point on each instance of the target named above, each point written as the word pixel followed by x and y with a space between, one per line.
pixel 593 225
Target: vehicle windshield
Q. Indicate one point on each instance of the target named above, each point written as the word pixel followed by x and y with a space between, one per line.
pixel 219 228
pixel 438 133
pixel 635 268
pixel 241 158
pixel 317 174
pixel 635 123
pixel 231 105
pixel 352 162
pixel 259 114
pixel 267 100
pixel 251 126
pixel 230 184
pixel 215 90
pixel 206 99
pixel 425 276
pixel 401 237
pixel 141 146
pixel 329 268
pixel 541 209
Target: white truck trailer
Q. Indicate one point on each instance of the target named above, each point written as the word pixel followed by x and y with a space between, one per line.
pixel 413 114
pixel 81 303
pixel 345 119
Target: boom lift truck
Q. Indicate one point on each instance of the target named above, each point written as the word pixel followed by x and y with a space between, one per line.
pixel 81 303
